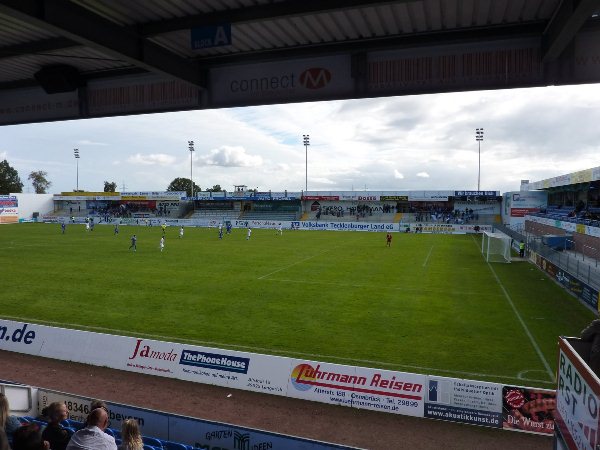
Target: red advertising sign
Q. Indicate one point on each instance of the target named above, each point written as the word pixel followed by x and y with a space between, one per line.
pixel 522 212
pixel 321 197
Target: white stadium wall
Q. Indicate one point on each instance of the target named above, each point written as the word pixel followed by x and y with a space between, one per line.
pixel 30 203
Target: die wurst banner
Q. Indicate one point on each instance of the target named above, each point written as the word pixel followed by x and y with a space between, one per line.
pixel 457 400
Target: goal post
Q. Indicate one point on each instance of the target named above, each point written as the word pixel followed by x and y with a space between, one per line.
pixel 495 247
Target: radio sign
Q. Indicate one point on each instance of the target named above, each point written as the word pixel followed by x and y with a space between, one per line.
pixel 211 36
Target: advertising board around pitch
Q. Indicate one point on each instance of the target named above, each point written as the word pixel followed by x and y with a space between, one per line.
pixel 358 387
pixel 577 400
pixel 464 401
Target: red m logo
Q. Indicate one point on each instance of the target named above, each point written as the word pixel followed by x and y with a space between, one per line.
pixel 315 78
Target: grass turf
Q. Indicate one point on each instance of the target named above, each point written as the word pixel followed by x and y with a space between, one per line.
pixel 429 304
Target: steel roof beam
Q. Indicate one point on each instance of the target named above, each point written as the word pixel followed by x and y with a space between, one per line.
pixel 500 32
pixel 269 11
pixel 86 28
pixel 564 25
pixel 36 47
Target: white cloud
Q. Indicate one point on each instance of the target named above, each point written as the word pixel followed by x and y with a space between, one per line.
pixel 230 156
pixel 88 142
pixel 398 175
pixel 159 159
pixel 423 175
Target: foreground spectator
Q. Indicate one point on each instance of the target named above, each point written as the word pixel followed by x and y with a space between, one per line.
pixel 95 404
pixel 54 433
pixel 130 435
pixel 8 423
pixel 29 437
pixel 3 440
pixel 93 435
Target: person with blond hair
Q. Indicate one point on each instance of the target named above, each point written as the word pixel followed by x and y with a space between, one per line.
pixel 131 439
pixel 54 433
pixel 8 423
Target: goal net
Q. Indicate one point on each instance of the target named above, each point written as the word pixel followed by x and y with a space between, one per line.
pixel 495 247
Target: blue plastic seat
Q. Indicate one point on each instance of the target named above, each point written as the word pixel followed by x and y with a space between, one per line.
pixel 168 445
pixel 152 441
pixel 110 432
pixel 72 423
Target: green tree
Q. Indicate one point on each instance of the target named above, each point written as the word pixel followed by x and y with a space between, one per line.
pixel 39 181
pixel 183 184
pixel 215 188
pixel 9 179
pixel 110 187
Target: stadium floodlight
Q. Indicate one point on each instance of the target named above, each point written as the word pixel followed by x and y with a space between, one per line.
pixel 479 138
pixel 306 140
pixel 76 154
pixel 495 247
pixel 191 147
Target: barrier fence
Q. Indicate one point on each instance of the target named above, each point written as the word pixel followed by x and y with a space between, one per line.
pixel 452 399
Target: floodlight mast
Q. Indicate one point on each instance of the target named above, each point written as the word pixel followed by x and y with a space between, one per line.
pixel 479 138
pixel 76 154
pixel 191 148
pixel 306 140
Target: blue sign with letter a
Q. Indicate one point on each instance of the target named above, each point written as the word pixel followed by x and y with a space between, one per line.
pixel 211 36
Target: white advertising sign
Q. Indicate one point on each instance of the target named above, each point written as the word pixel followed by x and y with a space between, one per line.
pixel 33 104
pixel 151 423
pixel 358 387
pixel 577 401
pixel 298 80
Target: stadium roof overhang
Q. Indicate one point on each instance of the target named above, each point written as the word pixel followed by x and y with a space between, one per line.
pixel 69 59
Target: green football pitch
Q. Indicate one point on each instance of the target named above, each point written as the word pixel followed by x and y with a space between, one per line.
pixel 428 304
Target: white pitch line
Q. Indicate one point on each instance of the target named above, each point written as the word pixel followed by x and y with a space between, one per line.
pixel 296 263
pixel 523 324
pixel 274 351
pixel 428 255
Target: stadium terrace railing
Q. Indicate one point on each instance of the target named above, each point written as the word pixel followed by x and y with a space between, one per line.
pixel 586 270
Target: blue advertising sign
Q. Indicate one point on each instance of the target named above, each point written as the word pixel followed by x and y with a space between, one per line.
pixel 211 36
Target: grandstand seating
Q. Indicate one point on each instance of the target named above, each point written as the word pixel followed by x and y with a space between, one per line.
pixel 282 216
pixel 215 214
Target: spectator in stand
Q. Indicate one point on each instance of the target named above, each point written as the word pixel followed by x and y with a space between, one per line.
pixel 93 435
pixel 8 423
pixel 94 405
pixel 29 437
pixel 131 439
pixel 3 440
pixel 592 334
pixel 54 433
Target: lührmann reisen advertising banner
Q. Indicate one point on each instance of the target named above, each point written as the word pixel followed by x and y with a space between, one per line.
pixel 465 401
pixel 577 400
pixel 358 387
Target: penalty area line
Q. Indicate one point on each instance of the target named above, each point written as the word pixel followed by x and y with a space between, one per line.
pixel 521 321
pixel 428 255
pixel 272 351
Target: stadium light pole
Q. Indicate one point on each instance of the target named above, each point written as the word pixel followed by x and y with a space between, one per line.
pixel 76 154
pixel 191 147
pixel 479 138
pixel 306 144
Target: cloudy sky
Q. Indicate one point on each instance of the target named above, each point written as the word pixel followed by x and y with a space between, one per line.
pixel 422 142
